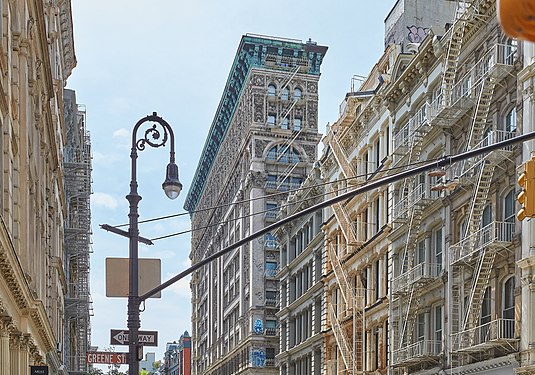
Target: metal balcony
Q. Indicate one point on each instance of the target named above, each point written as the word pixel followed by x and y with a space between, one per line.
pixel 423 350
pixel 419 195
pixel 405 136
pixel 495 235
pixel 421 273
pixel 496 333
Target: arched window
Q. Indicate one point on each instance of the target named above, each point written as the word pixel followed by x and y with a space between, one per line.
pixel 271 90
pixel 485 316
pixel 509 207
pixel 486 217
pixel 298 93
pixel 486 220
pixel 509 298
pixel 510 120
pixel 463 227
pixel 284 154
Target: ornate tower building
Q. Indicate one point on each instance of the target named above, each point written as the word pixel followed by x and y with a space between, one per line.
pixel 262 144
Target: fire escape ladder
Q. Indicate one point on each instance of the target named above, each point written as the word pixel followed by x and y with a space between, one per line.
pixel 360 329
pixel 344 221
pixel 293 162
pixel 412 233
pixel 455 305
pixel 480 198
pixel 342 340
pixel 479 120
pixel 480 281
pixel 287 111
pixel 452 56
pixel 341 277
pixel 290 76
pixel 409 320
pixel 341 158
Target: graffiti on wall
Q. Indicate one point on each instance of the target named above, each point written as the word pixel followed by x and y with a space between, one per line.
pixel 416 33
pixel 257 358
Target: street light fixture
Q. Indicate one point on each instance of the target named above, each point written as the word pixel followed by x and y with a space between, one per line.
pixel 154 136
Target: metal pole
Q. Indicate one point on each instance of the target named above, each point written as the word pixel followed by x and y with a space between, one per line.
pixel 153 137
pixel 133 322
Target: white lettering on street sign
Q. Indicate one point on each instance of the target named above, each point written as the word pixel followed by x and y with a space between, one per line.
pixel 107 358
pixel 121 337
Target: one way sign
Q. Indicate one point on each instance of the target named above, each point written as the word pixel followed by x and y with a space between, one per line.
pixel 146 338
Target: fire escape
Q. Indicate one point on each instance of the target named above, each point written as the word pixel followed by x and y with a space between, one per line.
pixel 78 306
pixel 472 258
pixel 348 313
pixel 415 273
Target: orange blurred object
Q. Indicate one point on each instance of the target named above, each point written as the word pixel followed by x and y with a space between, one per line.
pixel 517 18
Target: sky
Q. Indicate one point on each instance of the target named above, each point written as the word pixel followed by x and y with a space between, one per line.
pixel 173 57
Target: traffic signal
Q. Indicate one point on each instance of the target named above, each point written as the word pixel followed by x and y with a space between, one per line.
pixel 527 196
pixel 517 18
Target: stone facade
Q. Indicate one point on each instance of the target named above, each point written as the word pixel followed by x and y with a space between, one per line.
pixel 261 145
pixel 36 58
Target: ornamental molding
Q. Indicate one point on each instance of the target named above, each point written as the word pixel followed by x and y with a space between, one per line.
pixel 409 70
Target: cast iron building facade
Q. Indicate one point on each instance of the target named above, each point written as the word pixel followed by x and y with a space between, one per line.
pixel 300 318
pixel 459 295
pixel 262 143
pixel 77 167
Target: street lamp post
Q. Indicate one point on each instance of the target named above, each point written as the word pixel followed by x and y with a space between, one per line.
pixel 155 136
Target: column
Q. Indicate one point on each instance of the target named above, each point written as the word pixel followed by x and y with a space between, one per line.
pixel 4 346
pixel 14 345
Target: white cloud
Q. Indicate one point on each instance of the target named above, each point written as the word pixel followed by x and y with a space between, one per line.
pixel 121 133
pixel 180 288
pixel 104 200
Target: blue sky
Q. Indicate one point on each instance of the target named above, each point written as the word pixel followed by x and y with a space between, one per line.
pixel 173 57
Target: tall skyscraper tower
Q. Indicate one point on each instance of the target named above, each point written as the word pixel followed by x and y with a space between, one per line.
pixel 262 143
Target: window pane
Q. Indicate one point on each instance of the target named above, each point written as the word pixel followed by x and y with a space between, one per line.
pixel 297 124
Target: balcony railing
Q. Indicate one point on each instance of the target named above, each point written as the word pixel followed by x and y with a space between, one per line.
pixel 405 136
pixel 497 233
pixel 421 350
pixel 468 170
pixel 274 302
pixel 494 333
pixel 416 196
pixel 420 273
pixel 270 331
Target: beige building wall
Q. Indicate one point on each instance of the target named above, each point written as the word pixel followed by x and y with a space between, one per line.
pixel 36 57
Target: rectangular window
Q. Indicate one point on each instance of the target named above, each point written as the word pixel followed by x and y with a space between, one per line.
pixel 271 211
pixel 377 153
pixel 420 255
pixel 297 124
pixel 438 323
pixel 271 269
pixel 271 120
pixel 420 327
pixel 284 123
pixel 377 209
pixel 378 281
pixel 438 247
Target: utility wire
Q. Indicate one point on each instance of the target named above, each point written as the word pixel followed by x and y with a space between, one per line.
pixel 236 219
pixel 224 205
pixel 443 162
